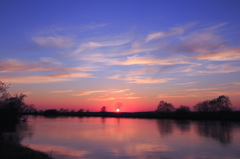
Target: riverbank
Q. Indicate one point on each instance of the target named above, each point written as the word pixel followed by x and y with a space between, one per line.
pixel 11 151
pixel 231 115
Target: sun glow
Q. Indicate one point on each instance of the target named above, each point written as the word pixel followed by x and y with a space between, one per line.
pixel 117 110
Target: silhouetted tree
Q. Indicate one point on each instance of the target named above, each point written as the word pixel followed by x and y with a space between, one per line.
pixel 40 111
pixel 202 106
pixel 165 107
pixel 81 110
pixel 103 109
pixel 183 109
pixel 222 103
pixel 2 87
pixel 12 108
pixel 51 112
pixel 64 110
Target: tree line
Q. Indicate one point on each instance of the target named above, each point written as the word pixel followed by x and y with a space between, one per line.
pixel 220 104
pixel 13 109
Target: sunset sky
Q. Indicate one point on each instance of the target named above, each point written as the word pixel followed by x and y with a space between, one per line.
pixel 78 54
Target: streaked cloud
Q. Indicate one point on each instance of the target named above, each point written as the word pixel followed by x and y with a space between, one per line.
pixel 56 42
pixel 110 42
pixel 44 78
pixel 200 41
pixel 90 92
pixel 226 55
pixel 199 94
pixel 129 94
pixel 45 64
pixel 26 93
pixel 188 83
pixel 101 99
pixel 132 97
pixel 139 79
pixel 202 89
pixel 119 91
pixel 158 35
pixel 232 84
pixel 216 69
pixel 63 91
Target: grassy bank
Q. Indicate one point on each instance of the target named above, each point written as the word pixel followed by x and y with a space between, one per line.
pixel 10 151
pixel 233 115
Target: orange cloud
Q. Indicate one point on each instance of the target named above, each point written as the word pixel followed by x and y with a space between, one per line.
pixel 132 97
pixel 158 35
pixel 57 42
pixel 226 55
pixel 232 84
pixel 64 91
pixel 27 93
pixel 129 94
pixel 139 79
pixel 213 69
pixel 90 92
pixel 199 94
pixel 101 99
pixel 45 78
pixel 202 89
pixel 113 41
pixel 188 83
pixel 119 91
pixel 44 65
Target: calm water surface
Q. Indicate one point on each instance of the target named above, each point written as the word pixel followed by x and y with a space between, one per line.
pixel 110 138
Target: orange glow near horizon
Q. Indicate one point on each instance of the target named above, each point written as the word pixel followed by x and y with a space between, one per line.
pixel 117 110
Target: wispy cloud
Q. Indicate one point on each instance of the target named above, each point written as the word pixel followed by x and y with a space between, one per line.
pixel 45 78
pixel 63 91
pixel 132 97
pixel 188 83
pixel 187 95
pixel 226 55
pixel 91 45
pixel 200 94
pixel 90 92
pixel 101 99
pixel 139 79
pixel 119 91
pixel 232 84
pixel 101 91
pixel 202 89
pixel 26 93
pixel 199 42
pixel 129 94
pixel 158 35
pixel 222 68
pixel 46 64
pixel 56 42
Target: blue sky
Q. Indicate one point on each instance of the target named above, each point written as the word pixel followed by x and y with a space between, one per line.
pixel 86 54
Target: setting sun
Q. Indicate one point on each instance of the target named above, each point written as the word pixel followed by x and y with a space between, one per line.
pixel 117 110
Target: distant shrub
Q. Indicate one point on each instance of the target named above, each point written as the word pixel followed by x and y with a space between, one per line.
pixel 183 109
pixel 222 103
pixel 164 107
pixel 12 109
pixel 51 112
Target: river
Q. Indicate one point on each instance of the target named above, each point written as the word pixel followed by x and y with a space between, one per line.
pixel 110 138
